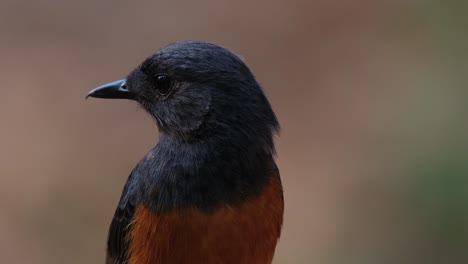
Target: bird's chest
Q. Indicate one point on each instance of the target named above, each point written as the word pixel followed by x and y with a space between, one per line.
pixel 242 233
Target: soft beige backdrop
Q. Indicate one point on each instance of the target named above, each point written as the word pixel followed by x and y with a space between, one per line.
pixel 371 95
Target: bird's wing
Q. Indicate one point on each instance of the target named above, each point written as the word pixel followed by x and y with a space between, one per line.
pixel 117 242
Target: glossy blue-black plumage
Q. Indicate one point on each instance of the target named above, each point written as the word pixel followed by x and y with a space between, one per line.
pixel 216 135
pixel 216 128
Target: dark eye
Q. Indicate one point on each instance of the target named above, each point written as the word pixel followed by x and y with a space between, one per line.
pixel 163 84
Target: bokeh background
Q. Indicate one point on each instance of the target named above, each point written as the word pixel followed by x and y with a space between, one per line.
pixel 372 97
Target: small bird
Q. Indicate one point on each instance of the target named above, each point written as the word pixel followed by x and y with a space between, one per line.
pixel 209 191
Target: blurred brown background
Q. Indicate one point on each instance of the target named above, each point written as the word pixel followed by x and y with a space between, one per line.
pixel 372 97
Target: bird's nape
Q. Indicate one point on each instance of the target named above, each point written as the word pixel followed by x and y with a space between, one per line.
pixel 211 182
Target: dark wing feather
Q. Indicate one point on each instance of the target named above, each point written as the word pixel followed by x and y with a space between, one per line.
pixel 117 242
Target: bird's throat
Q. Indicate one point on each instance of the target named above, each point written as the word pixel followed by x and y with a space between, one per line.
pixel 204 175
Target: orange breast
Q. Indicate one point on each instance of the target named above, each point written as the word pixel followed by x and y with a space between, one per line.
pixel 246 233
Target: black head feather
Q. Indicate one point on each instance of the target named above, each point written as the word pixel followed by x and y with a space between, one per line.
pixel 216 128
pixel 212 93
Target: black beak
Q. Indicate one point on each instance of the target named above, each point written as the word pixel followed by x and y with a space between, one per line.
pixel 116 90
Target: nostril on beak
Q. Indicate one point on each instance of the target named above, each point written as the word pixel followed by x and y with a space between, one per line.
pixel 124 85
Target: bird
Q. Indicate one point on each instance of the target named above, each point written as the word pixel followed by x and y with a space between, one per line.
pixel 209 191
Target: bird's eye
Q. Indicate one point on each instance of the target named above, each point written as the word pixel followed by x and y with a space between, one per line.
pixel 163 84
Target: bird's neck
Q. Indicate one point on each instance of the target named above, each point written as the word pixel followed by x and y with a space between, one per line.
pixel 204 174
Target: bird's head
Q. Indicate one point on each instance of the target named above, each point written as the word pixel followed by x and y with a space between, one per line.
pixel 197 91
